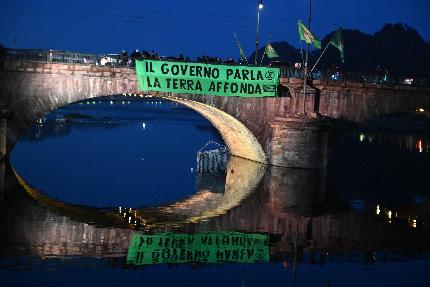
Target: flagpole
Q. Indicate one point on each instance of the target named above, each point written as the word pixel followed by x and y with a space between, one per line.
pixel 262 57
pixel 301 52
pixel 264 53
pixel 240 48
pixel 319 58
pixel 305 76
pixel 328 44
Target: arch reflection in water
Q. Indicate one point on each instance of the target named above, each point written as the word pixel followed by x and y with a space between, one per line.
pixel 241 179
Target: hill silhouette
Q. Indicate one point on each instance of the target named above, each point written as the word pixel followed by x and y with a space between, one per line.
pixel 396 47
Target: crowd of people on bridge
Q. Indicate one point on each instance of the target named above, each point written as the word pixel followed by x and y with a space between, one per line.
pixel 215 60
pixel 334 73
pixel 129 60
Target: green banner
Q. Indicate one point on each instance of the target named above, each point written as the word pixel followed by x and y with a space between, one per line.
pixel 207 79
pixel 208 247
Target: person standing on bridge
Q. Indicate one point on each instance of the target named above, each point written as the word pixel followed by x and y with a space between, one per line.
pixel 124 58
pixel 135 55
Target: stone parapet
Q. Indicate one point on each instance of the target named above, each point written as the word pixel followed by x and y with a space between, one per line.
pixel 68 69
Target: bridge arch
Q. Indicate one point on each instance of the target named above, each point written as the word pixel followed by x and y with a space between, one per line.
pixel 239 140
pixel 31 89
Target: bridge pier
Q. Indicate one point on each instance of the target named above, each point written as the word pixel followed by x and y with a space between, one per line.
pixel 299 142
pixel 295 190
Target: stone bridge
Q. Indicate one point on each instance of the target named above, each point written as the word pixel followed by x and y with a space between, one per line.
pixel 266 130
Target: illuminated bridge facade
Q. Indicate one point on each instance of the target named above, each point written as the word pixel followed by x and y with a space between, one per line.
pixel 267 130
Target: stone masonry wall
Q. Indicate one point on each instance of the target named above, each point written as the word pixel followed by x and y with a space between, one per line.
pixel 31 89
pixel 357 102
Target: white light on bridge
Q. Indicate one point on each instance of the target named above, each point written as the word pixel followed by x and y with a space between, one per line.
pixel 362 137
pixel 408 81
pixel 111 102
pixel 378 210
pixel 420 110
pixel 143 126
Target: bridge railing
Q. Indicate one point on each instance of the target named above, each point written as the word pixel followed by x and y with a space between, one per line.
pixel 329 76
pixel 337 77
pixel 48 56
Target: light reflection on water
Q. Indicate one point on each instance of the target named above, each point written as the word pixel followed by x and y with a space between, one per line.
pixel 412 142
pixel 363 217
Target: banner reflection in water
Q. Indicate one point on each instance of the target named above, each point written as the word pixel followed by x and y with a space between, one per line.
pixel 207 247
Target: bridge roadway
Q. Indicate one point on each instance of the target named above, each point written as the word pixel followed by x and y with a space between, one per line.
pixel 30 89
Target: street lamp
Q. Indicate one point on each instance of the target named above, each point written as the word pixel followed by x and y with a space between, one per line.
pixel 260 7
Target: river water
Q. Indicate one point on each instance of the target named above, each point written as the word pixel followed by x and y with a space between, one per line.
pixel 119 190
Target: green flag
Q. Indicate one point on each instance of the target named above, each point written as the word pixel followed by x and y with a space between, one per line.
pixel 336 41
pixel 306 35
pixel 270 52
pixel 242 53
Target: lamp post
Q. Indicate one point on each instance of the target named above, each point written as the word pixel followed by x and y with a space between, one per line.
pixel 260 7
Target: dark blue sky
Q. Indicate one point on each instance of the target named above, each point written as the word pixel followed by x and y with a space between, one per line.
pixel 192 27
